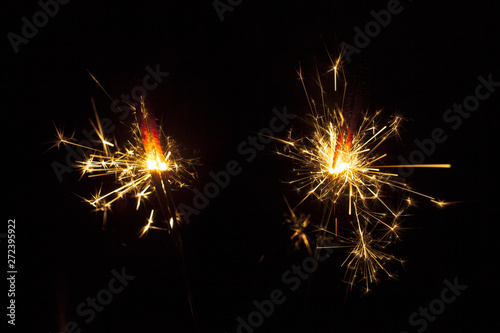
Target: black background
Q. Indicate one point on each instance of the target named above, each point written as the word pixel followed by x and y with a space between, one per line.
pixel 225 78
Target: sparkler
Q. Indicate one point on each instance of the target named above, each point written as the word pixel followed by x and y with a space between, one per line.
pixel 340 164
pixel 148 164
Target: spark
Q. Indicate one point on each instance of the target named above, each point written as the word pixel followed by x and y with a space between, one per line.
pixel 336 159
pixel 298 224
pixel 147 163
pixel 366 244
pixel 441 203
pixel 147 226
pixel 339 162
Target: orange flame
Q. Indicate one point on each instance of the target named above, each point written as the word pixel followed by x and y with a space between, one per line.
pixel 150 139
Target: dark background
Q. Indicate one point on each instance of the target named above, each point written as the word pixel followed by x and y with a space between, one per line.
pixel 225 78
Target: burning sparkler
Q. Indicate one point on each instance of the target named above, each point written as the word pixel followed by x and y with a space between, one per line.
pixel 147 164
pixel 340 164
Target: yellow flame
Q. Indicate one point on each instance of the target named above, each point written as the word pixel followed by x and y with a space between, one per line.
pixel 340 167
pixel 156 164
